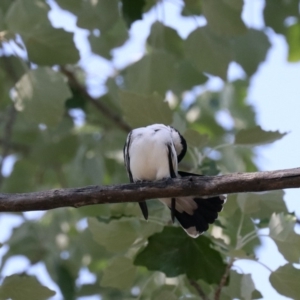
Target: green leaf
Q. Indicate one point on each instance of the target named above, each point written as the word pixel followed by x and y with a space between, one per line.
pixel 209 53
pixel 209 167
pixel 186 77
pixel 192 7
pixel 241 286
pixel 262 205
pixel 23 15
pixel 165 38
pixel 293 39
pixel 282 232
pixel 176 253
pixel 223 18
pixel 100 14
pixel 155 72
pixel 250 50
pixel 51 46
pixel 276 13
pixel 257 136
pixel 18 287
pixel 110 39
pixel 65 280
pixel 142 110
pixel 195 139
pixel 119 235
pixel 119 274
pixel 41 94
pixel 285 280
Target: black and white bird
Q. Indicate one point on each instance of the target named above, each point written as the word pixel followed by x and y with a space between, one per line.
pixel 153 153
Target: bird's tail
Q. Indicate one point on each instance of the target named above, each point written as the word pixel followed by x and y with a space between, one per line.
pixel 194 213
pixel 205 213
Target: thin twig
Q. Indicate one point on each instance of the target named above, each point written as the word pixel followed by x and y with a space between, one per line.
pixel 98 104
pixel 136 192
pixel 198 288
pixel 223 279
pixel 7 133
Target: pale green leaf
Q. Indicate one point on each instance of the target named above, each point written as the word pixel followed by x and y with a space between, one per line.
pixel 209 53
pixel 155 72
pixel 257 136
pixel 262 205
pixel 282 232
pixel 224 19
pixel 120 273
pixel 285 280
pixel 18 287
pixel 41 94
pixel 195 139
pixel 51 46
pixel 293 39
pixel 166 295
pixel 119 235
pixel 142 110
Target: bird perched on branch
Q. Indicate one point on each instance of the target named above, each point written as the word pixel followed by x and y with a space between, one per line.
pixel 153 153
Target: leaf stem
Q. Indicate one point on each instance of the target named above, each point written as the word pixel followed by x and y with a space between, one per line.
pixel 198 288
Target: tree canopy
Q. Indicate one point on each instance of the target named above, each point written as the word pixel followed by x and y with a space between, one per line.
pixel 59 130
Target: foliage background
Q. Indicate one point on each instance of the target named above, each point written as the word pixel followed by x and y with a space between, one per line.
pixel 54 136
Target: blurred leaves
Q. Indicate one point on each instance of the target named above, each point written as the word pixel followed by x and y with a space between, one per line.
pixel 41 95
pixel 140 110
pixel 59 140
pixel 21 287
pixel 285 281
pixel 120 273
pixel 176 253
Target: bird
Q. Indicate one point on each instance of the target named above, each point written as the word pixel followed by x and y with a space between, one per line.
pixel 153 153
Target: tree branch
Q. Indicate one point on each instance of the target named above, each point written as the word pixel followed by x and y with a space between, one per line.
pixel 98 104
pixel 135 192
pixel 223 279
pixel 198 288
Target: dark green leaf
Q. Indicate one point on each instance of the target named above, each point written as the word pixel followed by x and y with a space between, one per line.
pixel 51 46
pixel 287 241
pixel 257 136
pixel 223 18
pixel 208 52
pixel 277 11
pixel 65 281
pixel 165 38
pixel 132 10
pixel 176 253
pixel 41 94
pixel 293 39
pixel 250 50
pixel 71 5
pixel 155 72
pixel 209 167
pixel 144 110
pixel 285 280
pixel 18 287
pixel 119 274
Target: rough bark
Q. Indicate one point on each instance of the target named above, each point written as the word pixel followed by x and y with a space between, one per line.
pixel 135 192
